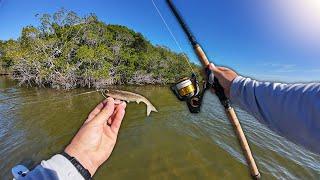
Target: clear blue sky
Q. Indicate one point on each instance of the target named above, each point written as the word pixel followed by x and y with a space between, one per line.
pixel 264 40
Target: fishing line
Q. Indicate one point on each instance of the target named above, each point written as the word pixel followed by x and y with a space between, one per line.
pixel 180 48
pixel 172 35
pixel 54 99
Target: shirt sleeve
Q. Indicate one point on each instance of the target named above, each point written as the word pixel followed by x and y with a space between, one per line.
pixel 292 110
pixel 56 168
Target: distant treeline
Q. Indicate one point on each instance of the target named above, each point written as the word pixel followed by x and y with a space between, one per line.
pixel 67 51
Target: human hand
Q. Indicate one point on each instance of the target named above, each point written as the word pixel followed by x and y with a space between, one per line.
pixel 95 140
pixel 225 77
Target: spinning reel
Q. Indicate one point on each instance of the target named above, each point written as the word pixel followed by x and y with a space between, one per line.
pixel 187 89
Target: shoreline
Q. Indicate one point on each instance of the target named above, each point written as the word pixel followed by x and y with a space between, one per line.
pixel 8 75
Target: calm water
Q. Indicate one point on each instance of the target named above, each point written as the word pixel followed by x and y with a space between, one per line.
pixel 36 123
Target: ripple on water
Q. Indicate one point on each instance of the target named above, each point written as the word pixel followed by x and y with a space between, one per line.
pixel 280 152
pixel 167 145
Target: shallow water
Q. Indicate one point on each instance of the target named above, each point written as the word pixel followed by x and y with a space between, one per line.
pixel 36 123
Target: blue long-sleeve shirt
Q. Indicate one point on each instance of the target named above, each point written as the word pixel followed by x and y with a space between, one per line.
pixel 292 110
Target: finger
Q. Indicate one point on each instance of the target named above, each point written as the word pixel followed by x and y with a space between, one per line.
pixel 212 67
pixel 218 71
pixel 116 104
pixel 117 120
pixel 105 112
pixel 95 111
pixel 223 69
pixel 105 101
pixel 109 121
pixel 116 109
pixel 117 101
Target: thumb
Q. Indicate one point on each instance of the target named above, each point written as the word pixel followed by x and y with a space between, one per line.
pixel 105 112
pixel 215 69
pixel 212 67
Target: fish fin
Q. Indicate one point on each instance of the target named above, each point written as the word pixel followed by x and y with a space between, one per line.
pixel 138 101
pixel 150 108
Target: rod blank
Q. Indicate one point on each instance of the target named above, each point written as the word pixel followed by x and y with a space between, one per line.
pixel 229 110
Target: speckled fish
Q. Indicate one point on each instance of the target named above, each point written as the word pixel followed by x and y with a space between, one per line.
pixel 130 97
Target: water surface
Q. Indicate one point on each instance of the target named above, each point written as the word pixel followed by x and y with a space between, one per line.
pixel 36 123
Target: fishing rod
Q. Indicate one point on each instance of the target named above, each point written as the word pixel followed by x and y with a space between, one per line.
pixel 187 90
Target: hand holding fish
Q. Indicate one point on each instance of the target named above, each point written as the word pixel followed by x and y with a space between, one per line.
pixel 95 140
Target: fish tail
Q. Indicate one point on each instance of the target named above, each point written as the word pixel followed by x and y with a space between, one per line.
pixel 150 108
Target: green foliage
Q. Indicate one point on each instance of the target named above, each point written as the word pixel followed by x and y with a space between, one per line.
pixel 68 51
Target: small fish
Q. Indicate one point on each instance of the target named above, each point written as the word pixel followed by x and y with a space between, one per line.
pixel 130 97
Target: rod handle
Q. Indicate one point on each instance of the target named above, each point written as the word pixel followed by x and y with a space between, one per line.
pixel 243 142
pixel 201 55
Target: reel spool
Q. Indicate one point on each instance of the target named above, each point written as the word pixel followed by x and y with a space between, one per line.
pixel 187 89
pixel 184 88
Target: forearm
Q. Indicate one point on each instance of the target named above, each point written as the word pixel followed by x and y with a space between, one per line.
pixel 291 110
pixel 56 168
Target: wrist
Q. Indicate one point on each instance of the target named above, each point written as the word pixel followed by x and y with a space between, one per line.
pixel 83 159
pixel 235 87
